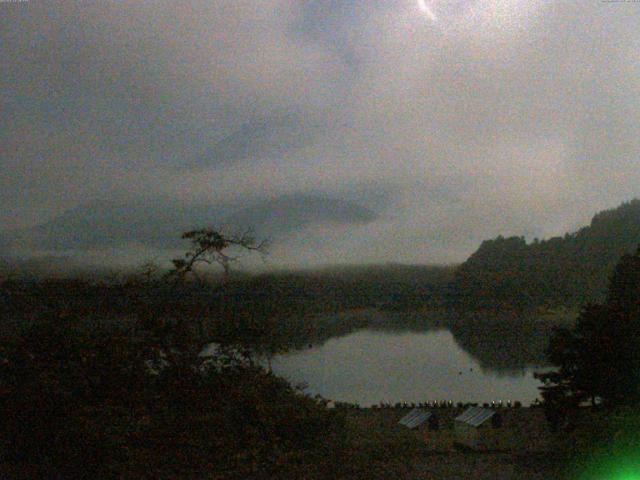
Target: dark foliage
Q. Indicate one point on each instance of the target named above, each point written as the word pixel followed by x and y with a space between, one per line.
pixel 599 359
pixel 86 394
pixel 211 246
pixel 78 402
pixel 572 270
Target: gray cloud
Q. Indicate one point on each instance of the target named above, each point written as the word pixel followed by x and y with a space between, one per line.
pixel 159 222
pixel 513 117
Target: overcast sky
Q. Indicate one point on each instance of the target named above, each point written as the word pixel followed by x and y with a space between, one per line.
pixel 430 125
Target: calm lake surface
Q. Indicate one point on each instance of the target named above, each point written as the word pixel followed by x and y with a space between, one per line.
pixel 371 366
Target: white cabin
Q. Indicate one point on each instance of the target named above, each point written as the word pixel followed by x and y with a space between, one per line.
pixel 473 429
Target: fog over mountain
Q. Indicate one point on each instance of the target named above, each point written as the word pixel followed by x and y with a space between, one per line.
pixel 158 223
pixel 349 131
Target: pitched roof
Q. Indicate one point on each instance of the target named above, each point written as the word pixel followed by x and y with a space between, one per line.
pixel 414 418
pixel 475 416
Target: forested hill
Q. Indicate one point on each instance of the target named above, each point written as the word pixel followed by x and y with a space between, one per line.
pixel 569 270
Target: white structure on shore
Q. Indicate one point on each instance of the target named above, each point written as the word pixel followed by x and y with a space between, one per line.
pixel 474 430
pixel 414 418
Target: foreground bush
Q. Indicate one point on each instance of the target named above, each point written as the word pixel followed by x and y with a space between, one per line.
pixel 85 402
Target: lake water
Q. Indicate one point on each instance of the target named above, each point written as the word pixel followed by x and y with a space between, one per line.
pixel 371 366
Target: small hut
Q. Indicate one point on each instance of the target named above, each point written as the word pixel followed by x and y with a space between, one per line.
pixel 474 430
pixel 415 418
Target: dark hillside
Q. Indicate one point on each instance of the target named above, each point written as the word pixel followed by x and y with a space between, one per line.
pixel 569 270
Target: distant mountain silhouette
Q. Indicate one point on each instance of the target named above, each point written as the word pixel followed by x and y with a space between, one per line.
pixel 569 270
pixel 160 222
pixel 292 212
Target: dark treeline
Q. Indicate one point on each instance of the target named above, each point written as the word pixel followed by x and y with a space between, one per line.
pixel 569 270
pixel 506 271
pixel 339 289
pixel 277 295
pixel 278 312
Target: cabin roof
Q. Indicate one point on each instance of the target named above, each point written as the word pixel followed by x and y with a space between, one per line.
pixel 414 418
pixel 475 416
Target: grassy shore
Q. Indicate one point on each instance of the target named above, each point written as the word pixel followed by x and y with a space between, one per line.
pixel 529 449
